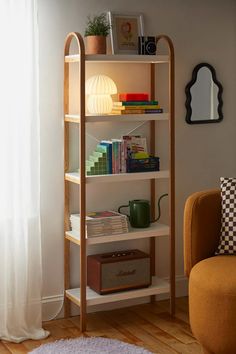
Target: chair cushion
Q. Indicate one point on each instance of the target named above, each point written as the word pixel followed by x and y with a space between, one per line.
pixel 227 243
pixel 212 303
pixel 216 275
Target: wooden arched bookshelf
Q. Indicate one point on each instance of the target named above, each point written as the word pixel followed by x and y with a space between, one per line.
pixel 83 296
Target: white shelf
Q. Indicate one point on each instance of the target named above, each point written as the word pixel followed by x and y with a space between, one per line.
pixel 75 118
pixel 155 230
pixel 159 286
pixel 119 58
pixel 121 177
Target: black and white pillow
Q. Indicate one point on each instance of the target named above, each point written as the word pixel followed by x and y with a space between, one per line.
pixel 228 220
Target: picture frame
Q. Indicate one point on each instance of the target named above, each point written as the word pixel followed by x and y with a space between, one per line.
pixel 125 29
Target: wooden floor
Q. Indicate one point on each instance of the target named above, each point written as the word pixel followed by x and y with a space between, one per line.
pixel 148 325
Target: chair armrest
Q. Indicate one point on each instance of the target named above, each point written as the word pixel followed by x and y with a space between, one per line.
pixel 202 224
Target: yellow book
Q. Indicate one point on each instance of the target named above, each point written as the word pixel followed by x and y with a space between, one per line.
pixel 128 111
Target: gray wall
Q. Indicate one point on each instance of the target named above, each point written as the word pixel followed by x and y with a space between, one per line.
pixel 203 30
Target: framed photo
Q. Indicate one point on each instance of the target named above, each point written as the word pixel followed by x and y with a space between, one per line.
pixel 125 29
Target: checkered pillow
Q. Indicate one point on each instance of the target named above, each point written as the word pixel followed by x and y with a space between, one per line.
pixel 228 220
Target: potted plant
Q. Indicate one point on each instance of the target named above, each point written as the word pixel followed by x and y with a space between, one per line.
pixel 96 32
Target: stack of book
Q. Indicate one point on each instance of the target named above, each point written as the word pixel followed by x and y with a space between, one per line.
pixel 101 223
pixel 135 103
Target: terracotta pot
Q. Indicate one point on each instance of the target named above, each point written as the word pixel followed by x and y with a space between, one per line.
pixel 95 45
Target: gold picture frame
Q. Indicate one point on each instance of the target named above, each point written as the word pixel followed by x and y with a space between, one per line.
pixel 125 29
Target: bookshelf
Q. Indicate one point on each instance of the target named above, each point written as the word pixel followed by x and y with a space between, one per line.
pixel 84 296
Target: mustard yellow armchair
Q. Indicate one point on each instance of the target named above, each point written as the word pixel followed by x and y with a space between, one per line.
pixel 212 279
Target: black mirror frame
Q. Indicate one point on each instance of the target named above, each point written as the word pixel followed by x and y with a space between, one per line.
pixel 189 96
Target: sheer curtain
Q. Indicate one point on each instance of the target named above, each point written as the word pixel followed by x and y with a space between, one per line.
pixel 20 239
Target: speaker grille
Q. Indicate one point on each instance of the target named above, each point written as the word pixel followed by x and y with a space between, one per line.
pixel 126 273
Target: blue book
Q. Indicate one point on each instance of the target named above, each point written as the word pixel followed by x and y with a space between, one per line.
pixel 108 143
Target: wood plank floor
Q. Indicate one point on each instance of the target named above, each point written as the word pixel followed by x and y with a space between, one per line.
pixel 148 325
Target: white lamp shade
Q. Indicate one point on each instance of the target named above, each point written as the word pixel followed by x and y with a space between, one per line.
pixel 100 85
pixel 99 104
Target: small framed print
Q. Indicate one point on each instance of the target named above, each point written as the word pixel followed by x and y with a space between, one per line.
pixel 125 29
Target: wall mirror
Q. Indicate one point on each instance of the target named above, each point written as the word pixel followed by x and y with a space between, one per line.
pixel 204 96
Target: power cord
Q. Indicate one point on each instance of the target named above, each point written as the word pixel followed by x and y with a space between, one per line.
pixel 53 317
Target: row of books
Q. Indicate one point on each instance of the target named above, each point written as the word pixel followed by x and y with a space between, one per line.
pixel 110 156
pixel 136 107
pixel 101 223
pixel 135 103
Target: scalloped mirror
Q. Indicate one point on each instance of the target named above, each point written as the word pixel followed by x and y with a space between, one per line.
pixel 204 96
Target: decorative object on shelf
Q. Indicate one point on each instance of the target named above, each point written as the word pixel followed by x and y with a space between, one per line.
pixel 116 271
pixel 96 32
pixel 147 45
pixel 147 164
pixel 125 29
pixel 139 213
pixel 204 96
pixel 99 89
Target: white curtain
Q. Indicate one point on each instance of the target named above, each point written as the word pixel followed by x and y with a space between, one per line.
pixel 20 239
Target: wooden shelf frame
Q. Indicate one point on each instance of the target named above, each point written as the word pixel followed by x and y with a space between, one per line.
pixel 82 200
pixel 155 230
pixel 82 296
pixel 75 118
pixel 74 177
pixel 158 286
pixel 119 58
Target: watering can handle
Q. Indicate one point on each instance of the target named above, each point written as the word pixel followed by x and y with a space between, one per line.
pixel 123 206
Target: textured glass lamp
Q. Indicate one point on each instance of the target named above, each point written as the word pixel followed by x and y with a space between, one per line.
pixel 99 89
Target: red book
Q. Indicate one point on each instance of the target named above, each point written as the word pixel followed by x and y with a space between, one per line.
pixel 133 97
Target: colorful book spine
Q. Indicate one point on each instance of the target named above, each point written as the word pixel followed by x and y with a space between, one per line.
pixel 143 96
pixel 134 103
pixel 116 151
pixel 127 107
pixel 128 111
pixel 108 143
pixel 159 110
pixel 137 111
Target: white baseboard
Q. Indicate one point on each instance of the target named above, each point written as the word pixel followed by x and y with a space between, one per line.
pixel 53 305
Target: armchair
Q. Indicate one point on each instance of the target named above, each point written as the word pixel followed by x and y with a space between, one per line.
pixel 212 279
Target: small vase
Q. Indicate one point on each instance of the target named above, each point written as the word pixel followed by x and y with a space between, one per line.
pixel 95 45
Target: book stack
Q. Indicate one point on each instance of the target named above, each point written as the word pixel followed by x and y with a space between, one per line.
pixel 101 223
pixel 135 103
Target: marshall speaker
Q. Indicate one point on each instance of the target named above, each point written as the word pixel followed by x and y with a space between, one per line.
pixel 116 271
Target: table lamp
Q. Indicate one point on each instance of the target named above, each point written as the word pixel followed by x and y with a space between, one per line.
pixel 99 89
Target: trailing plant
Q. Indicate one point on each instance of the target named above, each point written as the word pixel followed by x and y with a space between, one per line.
pixel 97 26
